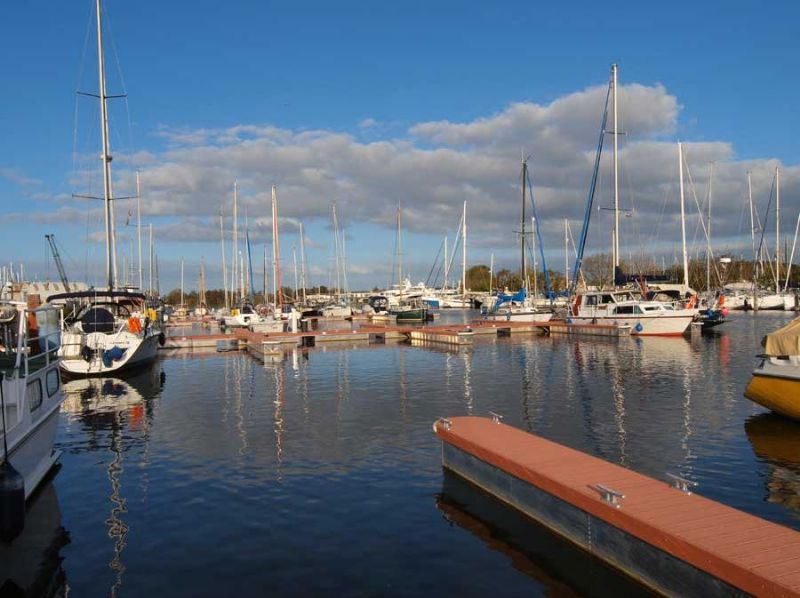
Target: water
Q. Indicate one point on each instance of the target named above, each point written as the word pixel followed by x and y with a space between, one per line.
pixel 215 474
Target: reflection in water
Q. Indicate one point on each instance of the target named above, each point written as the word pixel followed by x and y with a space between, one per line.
pixel 31 564
pixel 531 548
pixel 776 440
pixel 116 406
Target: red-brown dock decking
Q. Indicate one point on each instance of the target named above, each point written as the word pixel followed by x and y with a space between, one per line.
pixel 741 550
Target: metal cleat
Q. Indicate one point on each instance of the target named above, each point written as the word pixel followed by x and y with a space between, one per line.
pixel 609 495
pixel 496 417
pixel 446 424
pixel 680 483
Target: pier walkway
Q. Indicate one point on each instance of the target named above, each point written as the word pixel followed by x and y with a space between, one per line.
pixel 666 537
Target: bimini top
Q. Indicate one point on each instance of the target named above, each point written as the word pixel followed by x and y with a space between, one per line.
pixel 784 341
pixel 97 294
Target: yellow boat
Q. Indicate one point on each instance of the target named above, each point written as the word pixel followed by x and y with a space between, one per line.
pixel 776 381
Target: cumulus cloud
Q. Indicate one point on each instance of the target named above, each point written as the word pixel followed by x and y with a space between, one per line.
pixel 434 167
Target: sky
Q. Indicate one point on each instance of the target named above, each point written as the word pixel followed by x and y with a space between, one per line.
pixel 371 105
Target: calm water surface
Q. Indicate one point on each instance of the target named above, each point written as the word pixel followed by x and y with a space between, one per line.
pixel 216 474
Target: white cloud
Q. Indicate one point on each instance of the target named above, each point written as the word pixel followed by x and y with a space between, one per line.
pixel 435 166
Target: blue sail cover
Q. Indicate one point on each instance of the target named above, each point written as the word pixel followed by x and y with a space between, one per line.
pixel 518 297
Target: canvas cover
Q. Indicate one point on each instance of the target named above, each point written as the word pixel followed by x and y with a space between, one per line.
pixel 784 341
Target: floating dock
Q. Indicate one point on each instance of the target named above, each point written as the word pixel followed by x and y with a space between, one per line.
pixel 448 334
pixel 669 539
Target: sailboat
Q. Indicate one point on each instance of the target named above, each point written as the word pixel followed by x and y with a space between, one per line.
pixel 626 307
pixel 405 302
pixel 112 329
pixel 520 306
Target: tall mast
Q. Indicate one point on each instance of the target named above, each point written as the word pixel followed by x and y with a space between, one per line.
pixel 181 282
pixel 752 224
pixel 464 252
pixel 139 229
pixel 150 285
pixel 276 252
pixel 777 230
pixel 566 254
pixel 399 250
pixel 446 265
pixel 111 251
pixel 234 277
pixel 683 220
pixel 303 263
pixel 294 259
pixel 708 230
pixel 224 266
pixel 491 272
pixel 616 168
pixel 523 268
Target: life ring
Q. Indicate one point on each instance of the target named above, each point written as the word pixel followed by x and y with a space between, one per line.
pixel 638 327
pixel 692 302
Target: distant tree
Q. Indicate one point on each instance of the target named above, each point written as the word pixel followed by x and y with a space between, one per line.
pixel 478 278
pixel 598 270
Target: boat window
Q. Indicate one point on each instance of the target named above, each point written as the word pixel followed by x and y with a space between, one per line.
pixel 607 299
pixel 591 300
pixel 624 309
pixel 651 308
pixel 53 382
pixel 34 395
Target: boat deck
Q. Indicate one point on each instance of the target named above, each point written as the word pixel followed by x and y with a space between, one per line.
pixel 738 549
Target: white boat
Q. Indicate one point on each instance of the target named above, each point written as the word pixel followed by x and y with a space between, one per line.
pixel 107 332
pixel 31 389
pixel 241 317
pixel 646 318
pixel 337 311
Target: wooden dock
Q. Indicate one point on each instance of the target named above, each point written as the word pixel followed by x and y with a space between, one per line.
pixel 446 335
pixel 671 540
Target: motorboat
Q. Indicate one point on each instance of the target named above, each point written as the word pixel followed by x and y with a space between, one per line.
pixel 31 389
pixel 646 318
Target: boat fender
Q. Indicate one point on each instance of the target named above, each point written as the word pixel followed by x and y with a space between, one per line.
pixel 86 353
pixel 568 320
pixel 508 316
pixel 116 353
pixel 638 327
pixel 12 502
pixel 161 339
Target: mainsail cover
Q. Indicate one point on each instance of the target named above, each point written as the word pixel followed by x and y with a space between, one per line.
pixel 784 341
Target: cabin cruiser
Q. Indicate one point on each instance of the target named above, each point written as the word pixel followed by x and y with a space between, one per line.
pixel 31 388
pixel 107 331
pixel 646 318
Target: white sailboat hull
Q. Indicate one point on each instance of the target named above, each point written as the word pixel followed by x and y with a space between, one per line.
pixel 523 315
pixel 137 351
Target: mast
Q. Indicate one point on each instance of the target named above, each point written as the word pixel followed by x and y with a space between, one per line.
pixel 683 220
pixel 181 282
pixel 276 251
pixel 294 259
pixel 777 230
pixel 464 252
pixel 303 263
pixel 533 253
pixel 234 277
pixel 224 267
pixel 111 251
pixel 616 169
pixel 139 228
pixel 150 285
pixel 566 254
pixel 708 230
pixel 399 250
pixel 523 268
pixel 446 265
pixel 791 256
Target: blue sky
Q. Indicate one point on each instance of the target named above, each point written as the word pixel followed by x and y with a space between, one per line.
pixel 372 71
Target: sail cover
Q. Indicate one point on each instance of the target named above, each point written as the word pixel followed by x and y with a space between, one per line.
pixel 784 341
